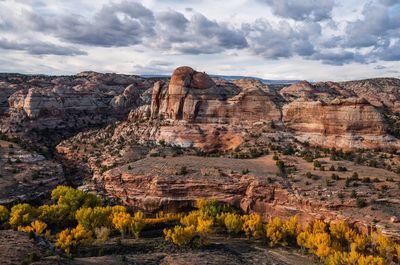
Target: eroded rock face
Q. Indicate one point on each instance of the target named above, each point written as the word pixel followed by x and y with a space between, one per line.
pixel 194 97
pixel 157 184
pixel 154 184
pixel 350 123
pixel 325 113
pixel 185 76
pixel 195 110
pixel 68 103
pixel 380 92
pixel 26 176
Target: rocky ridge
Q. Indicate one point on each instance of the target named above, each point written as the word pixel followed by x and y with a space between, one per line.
pixel 37 104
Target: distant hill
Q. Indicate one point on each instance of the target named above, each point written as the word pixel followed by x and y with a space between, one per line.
pixel 234 77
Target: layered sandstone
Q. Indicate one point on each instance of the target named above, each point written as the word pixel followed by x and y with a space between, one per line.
pixel 197 111
pixel 192 109
pixel 36 103
pixel 349 123
pixel 194 97
pixel 326 114
pixel 380 92
pixel 154 184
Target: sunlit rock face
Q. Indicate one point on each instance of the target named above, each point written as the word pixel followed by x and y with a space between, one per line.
pixel 325 113
pixel 195 97
pixel 193 109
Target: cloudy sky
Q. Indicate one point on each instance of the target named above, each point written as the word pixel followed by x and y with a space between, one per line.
pixel 273 39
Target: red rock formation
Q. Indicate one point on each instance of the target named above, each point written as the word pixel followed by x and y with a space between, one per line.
pixel 194 97
pixel 323 113
pixel 345 123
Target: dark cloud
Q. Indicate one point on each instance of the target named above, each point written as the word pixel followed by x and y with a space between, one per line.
pixel 280 41
pixel 197 35
pixel 389 53
pixel 314 10
pixel 373 30
pixel 224 35
pixel 40 48
pixel 118 24
pixel 380 67
pixel 130 23
pixel 172 20
pixel 338 58
pixel 160 63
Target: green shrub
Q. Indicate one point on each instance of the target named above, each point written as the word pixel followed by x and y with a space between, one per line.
pixel 361 203
pixel 317 163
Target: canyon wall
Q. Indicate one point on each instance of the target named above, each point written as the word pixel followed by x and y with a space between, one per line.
pixel 326 114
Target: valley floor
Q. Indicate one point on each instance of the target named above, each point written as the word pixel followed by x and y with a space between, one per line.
pixel 16 246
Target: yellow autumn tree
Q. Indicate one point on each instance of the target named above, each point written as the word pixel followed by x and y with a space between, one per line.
pixel 319 226
pixel 121 222
pixel 321 245
pixel 4 215
pixel 118 209
pixel 96 217
pixel 352 258
pixel 316 239
pixel 397 248
pixel 337 258
pixel 383 245
pixel 163 217
pixel 233 223
pixel 370 260
pixel 359 242
pixel 204 228
pixel 21 215
pixel 70 239
pixel 191 218
pixel 252 225
pixel 136 224
pixel 274 232
pixel 54 215
pixel 291 228
pixel 303 239
pixel 74 199
pixel 180 236
pixel 37 227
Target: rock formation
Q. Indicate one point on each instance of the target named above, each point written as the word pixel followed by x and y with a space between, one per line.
pixel 325 114
pixel 194 97
pixel 25 175
pixel 37 103
pixel 192 109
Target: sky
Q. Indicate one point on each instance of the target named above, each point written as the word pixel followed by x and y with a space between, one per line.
pixel 273 39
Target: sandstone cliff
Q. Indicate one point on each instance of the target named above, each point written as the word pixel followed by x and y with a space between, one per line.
pixel 380 92
pixel 37 103
pixel 326 114
pixel 194 97
pixel 192 109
